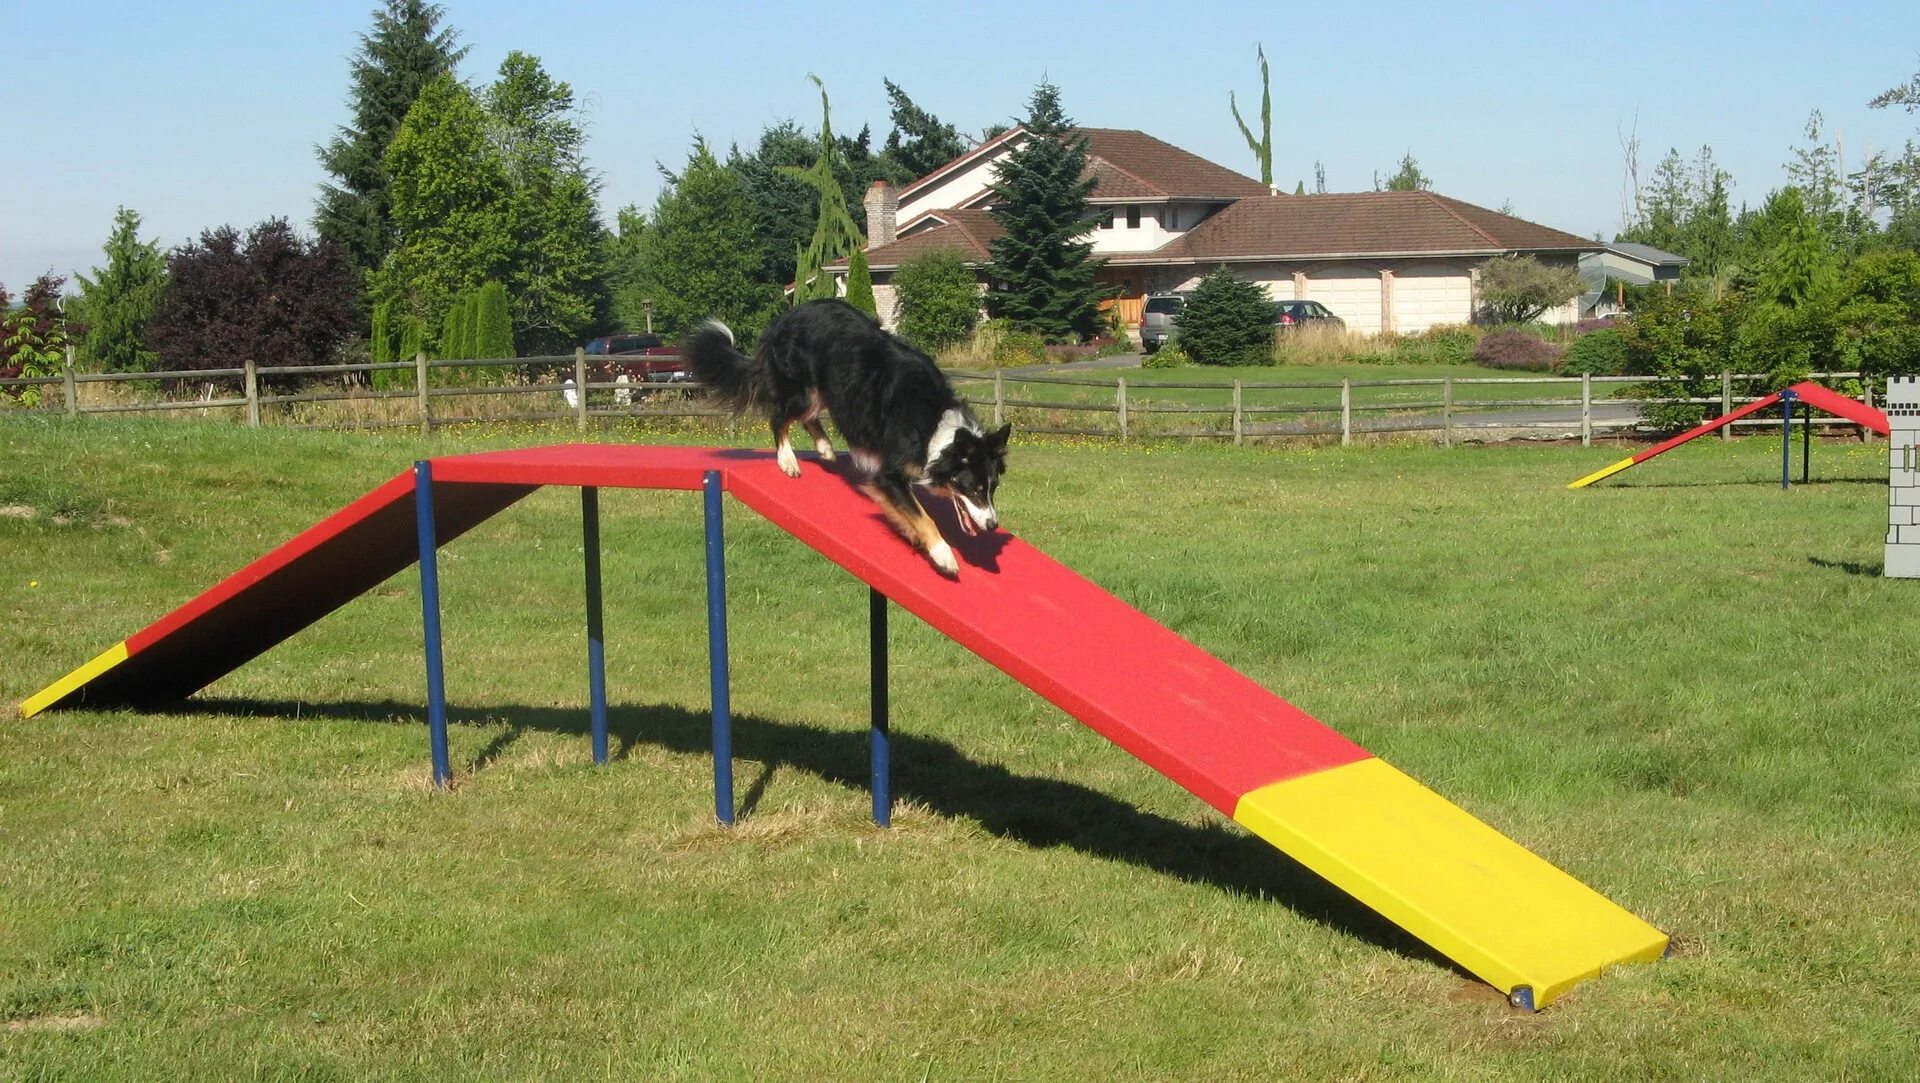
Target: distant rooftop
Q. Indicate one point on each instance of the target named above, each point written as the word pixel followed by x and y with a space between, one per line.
pixel 1647 254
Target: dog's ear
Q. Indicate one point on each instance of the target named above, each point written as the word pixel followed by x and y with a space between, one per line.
pixel 997 439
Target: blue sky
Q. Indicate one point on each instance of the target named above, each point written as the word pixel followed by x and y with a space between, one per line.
pixel 200 113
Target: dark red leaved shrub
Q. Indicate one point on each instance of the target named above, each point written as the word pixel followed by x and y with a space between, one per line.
pixel 1512 348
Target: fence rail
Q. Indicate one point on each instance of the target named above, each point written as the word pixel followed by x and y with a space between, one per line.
pixel 1454 407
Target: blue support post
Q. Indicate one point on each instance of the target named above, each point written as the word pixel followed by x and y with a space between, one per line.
pixel 1806 445
pixel 596 643
pixel 877 651
pixel 430 620
pixel 1786 439
pixel 717 653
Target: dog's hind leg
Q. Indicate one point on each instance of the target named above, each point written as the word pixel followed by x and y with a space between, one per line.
pixel 820 442
pixel 895 497
pixel 783 448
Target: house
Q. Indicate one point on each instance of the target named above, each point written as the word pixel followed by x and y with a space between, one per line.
pixel 1382 261
pixel 1620 261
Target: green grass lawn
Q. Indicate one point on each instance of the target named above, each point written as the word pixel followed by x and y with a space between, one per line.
pixel 1686 687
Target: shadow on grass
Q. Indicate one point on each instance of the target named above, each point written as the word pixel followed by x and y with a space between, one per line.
pixel 1875 569
pixel 1037 812
pixel 1772 483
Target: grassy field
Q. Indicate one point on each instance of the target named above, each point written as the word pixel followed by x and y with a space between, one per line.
pixel 1687 688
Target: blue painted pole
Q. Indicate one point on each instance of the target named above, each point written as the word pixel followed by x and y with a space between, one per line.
pixel 877 653
pixel 1786 439
pixel 717 653
pixel 430 620
pixel 596 644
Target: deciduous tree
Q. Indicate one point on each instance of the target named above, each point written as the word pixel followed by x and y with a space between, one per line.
pixel 1518 289
pixel 271 296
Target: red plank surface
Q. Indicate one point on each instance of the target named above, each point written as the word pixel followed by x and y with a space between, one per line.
pixel 1181 710
pixel 615 466
pixel 1811 393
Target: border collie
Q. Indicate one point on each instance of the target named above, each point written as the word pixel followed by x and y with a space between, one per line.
pixel 903 424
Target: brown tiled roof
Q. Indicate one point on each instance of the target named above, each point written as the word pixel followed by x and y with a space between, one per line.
pixel 967 231
pixel 1130 165
pixel 1356 224
pixel 1156 168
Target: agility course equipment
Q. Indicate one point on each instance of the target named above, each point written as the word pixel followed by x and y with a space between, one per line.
pixel 1500 911
pixel 1811 394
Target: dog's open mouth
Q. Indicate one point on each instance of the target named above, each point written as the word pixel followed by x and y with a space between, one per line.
pixel 960 512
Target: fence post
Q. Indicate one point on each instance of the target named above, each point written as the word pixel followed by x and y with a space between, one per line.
pixel 580 386
pixel 1446 413
pixel 72 387
pixel 999 399
pixel 420 382
pixel 1239 425
pixel 1726 402
pixel 253 393
pixel 1586 409
pixel 1346 412
pixel 1120 404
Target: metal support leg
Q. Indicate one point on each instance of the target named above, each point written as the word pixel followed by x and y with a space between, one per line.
pixel 430 621
pixel 1786 439
pixel 1806 445
pixel 596 643
pixel 877 652
pixel 717 653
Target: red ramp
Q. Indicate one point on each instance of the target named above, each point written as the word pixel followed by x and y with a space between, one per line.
pixel 1500 911
pixel 1810 393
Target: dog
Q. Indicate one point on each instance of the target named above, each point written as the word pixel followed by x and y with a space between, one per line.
pixel 904 427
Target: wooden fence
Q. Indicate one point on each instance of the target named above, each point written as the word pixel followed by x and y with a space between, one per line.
pixel 1454 408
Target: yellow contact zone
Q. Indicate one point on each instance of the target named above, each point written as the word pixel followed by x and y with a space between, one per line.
pixel 1475 895
pixel 66 685
pixel 1604 472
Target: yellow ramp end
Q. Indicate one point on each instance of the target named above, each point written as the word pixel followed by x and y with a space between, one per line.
pixel 1475 895
pixel 1603 472
pixel 65 686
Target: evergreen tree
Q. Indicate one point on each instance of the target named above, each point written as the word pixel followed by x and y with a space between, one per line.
pixel 860 285
pixel 413 338
pixel 1043 269
pixel 784 208
pixel 553 266
pixel 698 255
pixel 1800 263
pixel 919 143
pixel 120 298
pixel 492 322
pixel 1262 147
pixel 450 197
pixel 455 338
pixel 835 234
pixel 382 347
pixel 1407 178
pixel 405 50
pixel 626 269
pixel 1227 320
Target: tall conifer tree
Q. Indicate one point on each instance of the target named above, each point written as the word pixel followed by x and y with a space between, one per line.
pixel 835 233
pixel 404 51
pixel 1042 275
pixel 120 298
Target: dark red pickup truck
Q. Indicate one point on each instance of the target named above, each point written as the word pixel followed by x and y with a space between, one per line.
pixel 642 358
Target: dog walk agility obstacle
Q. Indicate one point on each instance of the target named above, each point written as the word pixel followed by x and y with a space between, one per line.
pixel 1495 908
pixel 1810 394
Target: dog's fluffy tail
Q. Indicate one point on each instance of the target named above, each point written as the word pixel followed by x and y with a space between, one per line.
pixel 730 375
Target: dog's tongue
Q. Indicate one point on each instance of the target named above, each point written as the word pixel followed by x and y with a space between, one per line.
pixel 966 521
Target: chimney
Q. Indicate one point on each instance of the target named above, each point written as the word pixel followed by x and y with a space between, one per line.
pixel 882 202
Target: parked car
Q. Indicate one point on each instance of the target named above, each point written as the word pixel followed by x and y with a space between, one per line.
pixel 638 357
pixel 1289 315
pixel 1162 310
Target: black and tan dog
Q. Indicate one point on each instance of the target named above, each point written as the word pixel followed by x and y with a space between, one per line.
pixel 903 424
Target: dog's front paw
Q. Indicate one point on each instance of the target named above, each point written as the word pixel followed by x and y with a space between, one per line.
pixel 789 465
pixel 825 449
pixel 943 559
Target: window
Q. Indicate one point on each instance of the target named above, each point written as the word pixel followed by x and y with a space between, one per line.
pixel 1106 219
pixel 1133 216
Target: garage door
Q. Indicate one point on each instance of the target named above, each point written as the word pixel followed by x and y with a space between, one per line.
pixel 1351 291
pixel 1425 297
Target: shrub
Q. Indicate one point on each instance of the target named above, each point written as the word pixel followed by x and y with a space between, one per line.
pixel 1227 320
pixel 1513 348
pixel 1446 344
pixel 1170 356
pixel 1597 353
pixel 936 301
pixel 1517 289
